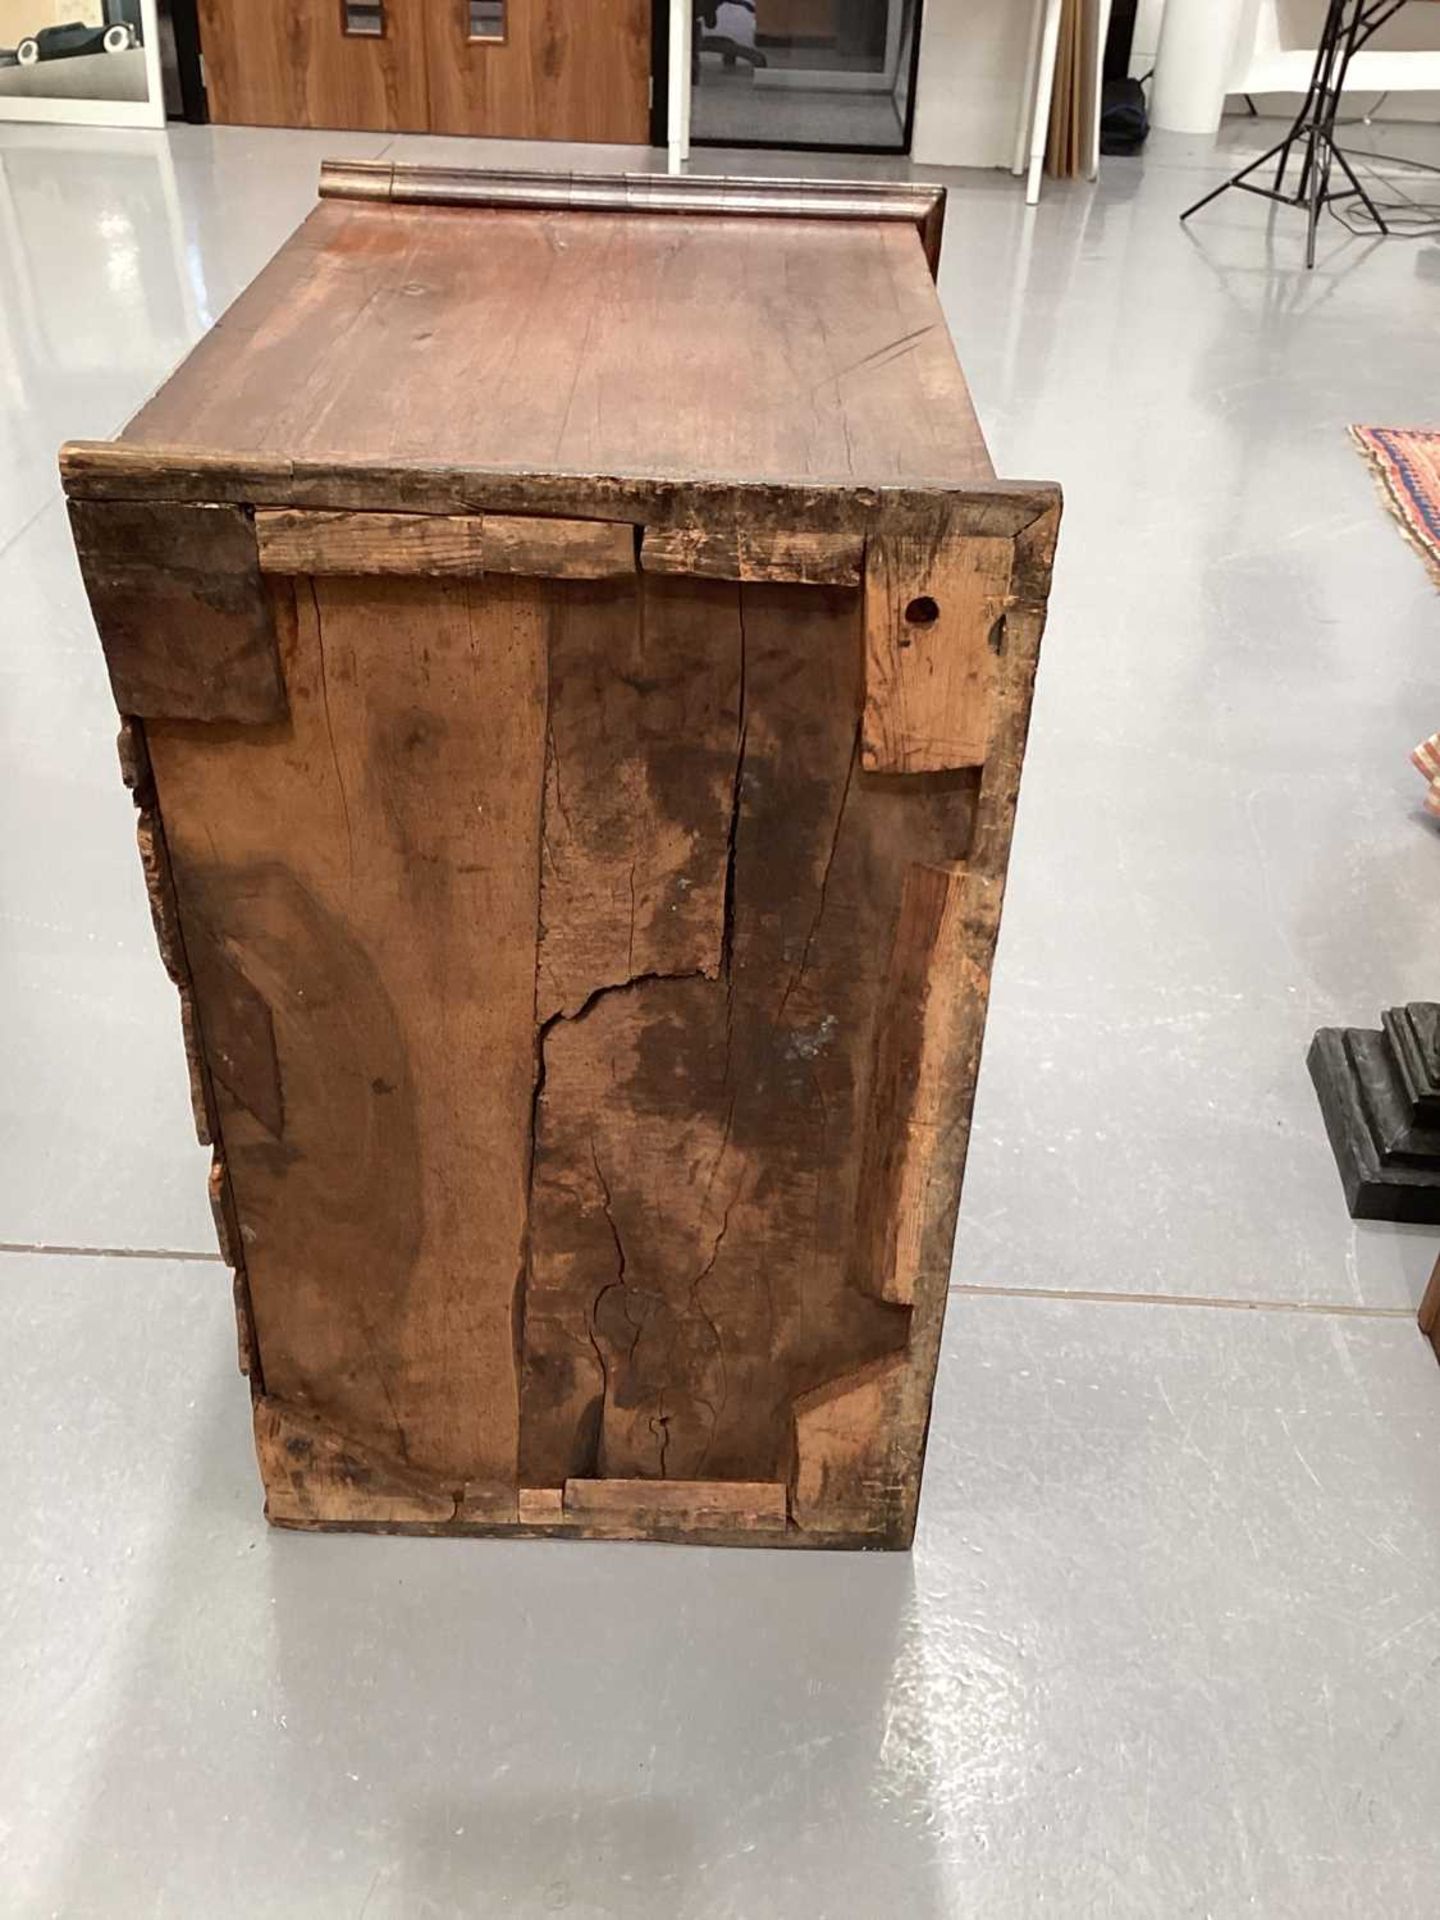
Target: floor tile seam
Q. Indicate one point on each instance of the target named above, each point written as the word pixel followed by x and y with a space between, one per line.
pixel 977 1290
pixel 55 1249
pixel 20 531
pixel 1342 1309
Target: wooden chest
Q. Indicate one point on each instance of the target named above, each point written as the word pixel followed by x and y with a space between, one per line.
pixel 575 658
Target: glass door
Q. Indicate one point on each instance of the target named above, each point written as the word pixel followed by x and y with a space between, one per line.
pixel 834 75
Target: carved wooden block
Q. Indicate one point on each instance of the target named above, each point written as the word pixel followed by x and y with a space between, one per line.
pixel 576 763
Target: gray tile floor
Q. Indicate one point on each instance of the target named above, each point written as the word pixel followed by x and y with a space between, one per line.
pixel 1169 1643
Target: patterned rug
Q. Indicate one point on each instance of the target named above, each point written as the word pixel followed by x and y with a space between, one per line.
pixel 1406 465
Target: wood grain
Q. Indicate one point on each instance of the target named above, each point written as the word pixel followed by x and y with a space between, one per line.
pixel 645 352
pixel 121 470
pixel 342 865
pixel 627 1507
pixel 745 553
pixel 314 1475
pixel 914 1044
pixel 698 1141
pixel 850 1476
pixel 559 549
pixel 177 596
pixel 165 918
pixel 562 72
pixel 641 746
pixel 441 546
pixel 933 607
pixel 958 995
pixel 287 63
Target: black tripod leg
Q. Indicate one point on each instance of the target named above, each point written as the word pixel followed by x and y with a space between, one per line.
pixel 1236 178
pixel 1320 102
pixel 1362 195
pixel 1317 199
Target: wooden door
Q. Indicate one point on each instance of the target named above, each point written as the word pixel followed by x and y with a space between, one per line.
pixel 519 69
pixel 316 63
pixel 540 69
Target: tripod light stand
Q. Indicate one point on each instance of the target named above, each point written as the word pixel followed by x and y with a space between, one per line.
pixel 1349 24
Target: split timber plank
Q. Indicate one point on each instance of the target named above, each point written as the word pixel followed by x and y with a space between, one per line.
pixel 337 867
pixel 698 1141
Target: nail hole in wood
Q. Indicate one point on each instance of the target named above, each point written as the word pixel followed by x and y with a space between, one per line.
pixel 922 612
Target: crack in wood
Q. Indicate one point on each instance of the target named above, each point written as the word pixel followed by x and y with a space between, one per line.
pixel 819 913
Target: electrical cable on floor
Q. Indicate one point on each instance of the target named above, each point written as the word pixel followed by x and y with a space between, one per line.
pixel 1361 119
pixel 1407 217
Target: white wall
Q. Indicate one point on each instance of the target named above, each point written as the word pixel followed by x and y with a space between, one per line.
pixel 1147 36
pixel 972 68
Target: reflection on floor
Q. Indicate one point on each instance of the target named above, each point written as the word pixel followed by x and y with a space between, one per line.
pixel 85 76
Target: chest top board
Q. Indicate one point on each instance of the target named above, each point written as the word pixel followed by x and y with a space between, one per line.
pixel 782 349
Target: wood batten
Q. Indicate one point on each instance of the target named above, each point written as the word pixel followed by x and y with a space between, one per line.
pixel 131 471
pixel 316 1476
pixel 447 546
pixel 915 203
pixel 542 1506
pixel 935 602
pixel 957 998
pixel 738 552
pixel 849 1472
pixel 370 543
pixel 909 1096
pixel 627 1507
pixel 559 549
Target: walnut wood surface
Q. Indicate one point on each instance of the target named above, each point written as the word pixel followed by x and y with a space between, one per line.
pixel 450 546
pixel 771 351
pixel 563 72
pixel 287 63
pixel 371 869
